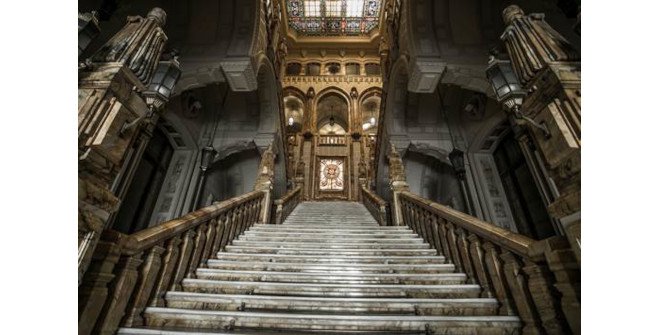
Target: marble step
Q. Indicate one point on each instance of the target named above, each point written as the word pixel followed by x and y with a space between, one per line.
pixel 331 245
pixel 337 239
pixel 324 252
pixel 367 234
pixel 244 331
pixel 329 267
pixel 335 277
pixel 331 290
pixel 160 316
pixel 329 230
pixel 316 260
pixel 411 306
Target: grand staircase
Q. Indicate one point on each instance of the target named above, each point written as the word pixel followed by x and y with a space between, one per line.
pixel 329 268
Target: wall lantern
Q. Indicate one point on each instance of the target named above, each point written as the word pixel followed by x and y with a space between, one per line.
pixel 457 159
pixel 290 121
pixel 509 91
pixel 208 154
pixel 162 83
pixel 158 91
pixel 88 29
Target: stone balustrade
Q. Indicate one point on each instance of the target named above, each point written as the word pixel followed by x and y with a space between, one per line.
pixel 130 272
pixel 285 205
pixel 526 276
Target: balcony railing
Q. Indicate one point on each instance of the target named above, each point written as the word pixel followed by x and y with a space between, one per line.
pixel 333 139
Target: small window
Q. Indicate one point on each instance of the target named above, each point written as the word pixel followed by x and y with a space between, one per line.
pixel 313 69
pixel 293 69
pixel 372 69
pixel 352 69
pixel 332 68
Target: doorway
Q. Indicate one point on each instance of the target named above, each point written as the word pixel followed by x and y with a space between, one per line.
pixel 525 200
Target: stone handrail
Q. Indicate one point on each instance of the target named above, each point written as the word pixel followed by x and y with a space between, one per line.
pixel 285 205
pixel 376 206
pixel 138 269
pixel 523 274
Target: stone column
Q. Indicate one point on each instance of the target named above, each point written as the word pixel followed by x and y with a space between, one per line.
pixel 108 100
pixel 398 184
pixel 264 181
pixel 549 68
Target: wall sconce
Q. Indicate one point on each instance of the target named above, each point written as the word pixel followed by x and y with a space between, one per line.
pixel 509 91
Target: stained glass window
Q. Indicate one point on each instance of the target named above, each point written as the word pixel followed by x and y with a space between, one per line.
pixel 333 17
pixel 331 175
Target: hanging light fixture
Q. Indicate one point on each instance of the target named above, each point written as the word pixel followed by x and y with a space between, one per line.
pixel 332 116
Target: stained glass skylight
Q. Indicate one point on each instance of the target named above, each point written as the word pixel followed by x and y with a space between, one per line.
pixel 333 17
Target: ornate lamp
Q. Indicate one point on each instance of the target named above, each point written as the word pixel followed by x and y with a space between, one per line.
pixel 208 153
pixel 88 29
pixel 457 160
pixel 162 83
pixel 508 89
pixel 159 89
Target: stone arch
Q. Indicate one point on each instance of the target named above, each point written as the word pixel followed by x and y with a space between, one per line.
pixel 360 117
pixel 329 91
pixel 292 97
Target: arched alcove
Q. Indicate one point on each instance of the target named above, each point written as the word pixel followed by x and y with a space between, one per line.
pixel 332 113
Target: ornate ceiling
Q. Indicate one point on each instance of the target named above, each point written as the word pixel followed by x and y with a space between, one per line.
pixel 333 17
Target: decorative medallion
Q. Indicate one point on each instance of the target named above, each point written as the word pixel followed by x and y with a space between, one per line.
pixel 331 175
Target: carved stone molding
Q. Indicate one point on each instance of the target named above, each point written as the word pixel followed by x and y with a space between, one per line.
pixel 425 74
pixel 240 74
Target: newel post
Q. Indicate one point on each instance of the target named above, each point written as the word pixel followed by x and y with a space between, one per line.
pixel 113 105
pixel 265 182
pixel 398 184
pixel 549 70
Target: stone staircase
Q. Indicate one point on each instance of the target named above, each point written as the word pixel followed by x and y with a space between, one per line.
pixel 330 268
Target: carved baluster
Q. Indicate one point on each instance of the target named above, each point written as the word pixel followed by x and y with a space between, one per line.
pixel 146 281
pixel 220 230
pixel 185 252
pixel 413 219
pixel 455 256
pixel 232 225
pixel 165 276
pixel 93 291
pixel 496 276
pixel 517 284
pixel 211 233
pixel 121 290
pixel 464 250
pixel 405 211
pixel 442 232
pixel 226 229
pixel 427 229
pixel 200 241
pixel 436 235
pixel 240 224
pixel 479 262
pixel 545 299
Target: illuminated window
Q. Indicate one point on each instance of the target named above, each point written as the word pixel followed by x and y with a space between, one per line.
pixel 354 8
pixel 333 8
pixel 312 8
pixel 333 17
